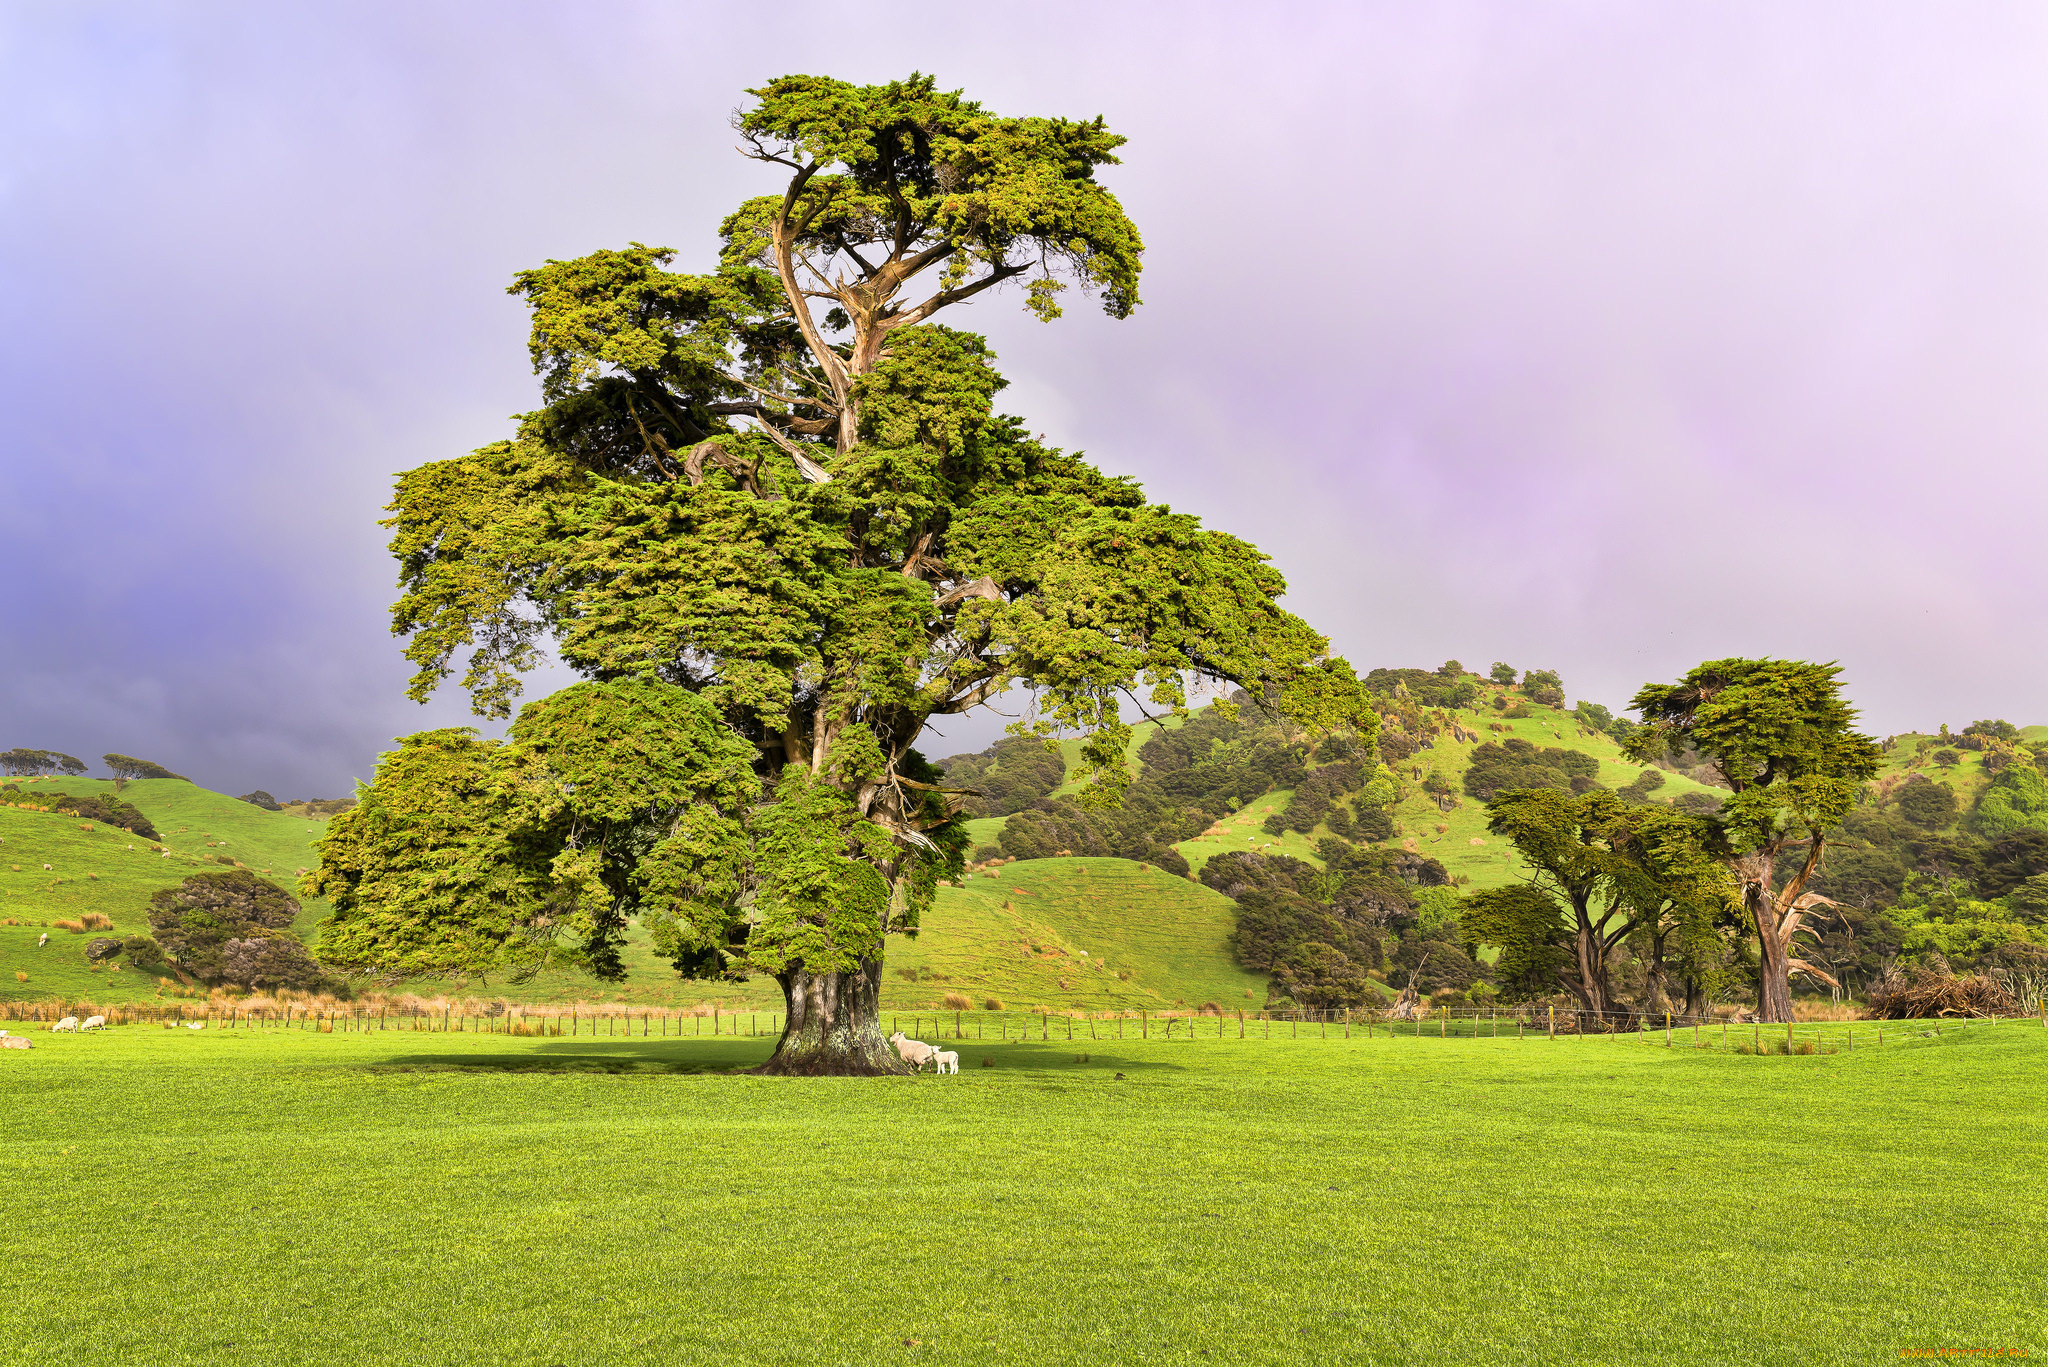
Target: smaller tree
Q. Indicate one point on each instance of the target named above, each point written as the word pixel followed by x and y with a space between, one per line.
pixel 1502 673
pixel 1781 736
pixel 1544 686
pixel 1947 759
pixel 259 798
pixel 1603 871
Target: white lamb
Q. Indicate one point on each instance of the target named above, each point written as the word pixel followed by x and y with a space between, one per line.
pixel 195 1025
pixel 948 1061
pixel 93 1023
pixel 915 1052
pixel 68 1024
pixel 44 940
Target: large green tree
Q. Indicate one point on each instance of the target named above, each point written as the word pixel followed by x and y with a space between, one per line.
pixel 1782 736
pixel 781 491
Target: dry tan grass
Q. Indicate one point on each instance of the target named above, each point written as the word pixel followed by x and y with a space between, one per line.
pixel 954 1001
pixel 1826 1011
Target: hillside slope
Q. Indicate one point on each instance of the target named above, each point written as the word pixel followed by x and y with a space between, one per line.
pixel 98 868
pixel 1079 934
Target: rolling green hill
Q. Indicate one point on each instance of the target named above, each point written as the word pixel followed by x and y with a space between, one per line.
pixel 1015 932
pixel 99 868
pixel 1074 934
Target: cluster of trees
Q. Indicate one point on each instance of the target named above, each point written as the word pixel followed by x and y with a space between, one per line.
pixel 126 767
pixel 1451 685
pixel 1195 774
pixel 102 807
pixel 21 762
pixel 25 763
pixel 1329 936
pixel 259 798
pixel 228 929
pixel 1189 777
pixel 1515 763
pixel 1007 777
pixel 1914 877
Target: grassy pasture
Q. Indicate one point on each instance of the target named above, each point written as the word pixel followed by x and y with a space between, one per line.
pixel 226 1196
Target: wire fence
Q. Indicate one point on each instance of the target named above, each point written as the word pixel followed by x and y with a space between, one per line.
pixel 1665 1029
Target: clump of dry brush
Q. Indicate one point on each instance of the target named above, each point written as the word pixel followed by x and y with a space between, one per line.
pixel 1926 994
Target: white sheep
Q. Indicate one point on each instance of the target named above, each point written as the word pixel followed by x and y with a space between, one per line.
pixel 195 1025
pixel 93 1023
pixel 948 1061
pixel 15 1042
pixel 46 866
pixel 915 1052
pixel 69 1023
pixel 44 940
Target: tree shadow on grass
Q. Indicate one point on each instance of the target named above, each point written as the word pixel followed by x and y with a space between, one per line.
pixel 732 1056
pixel 690 1055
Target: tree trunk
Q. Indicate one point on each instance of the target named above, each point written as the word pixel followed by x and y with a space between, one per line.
pixel 1773 971
pixel 834 1027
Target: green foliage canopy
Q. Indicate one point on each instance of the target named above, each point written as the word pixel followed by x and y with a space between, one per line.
pixel 781 490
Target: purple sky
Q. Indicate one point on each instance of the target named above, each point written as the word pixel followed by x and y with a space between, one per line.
pixel 1599 337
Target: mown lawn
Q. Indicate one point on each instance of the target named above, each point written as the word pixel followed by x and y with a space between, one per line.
pixel 237 1196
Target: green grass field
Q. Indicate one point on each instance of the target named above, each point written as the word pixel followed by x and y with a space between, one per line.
pixel 226 1196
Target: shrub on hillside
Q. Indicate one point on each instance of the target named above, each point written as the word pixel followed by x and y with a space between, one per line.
pixel 1514 763
pixel 233 927
pixel 1373 824
pixel 259 798
pixel 101 807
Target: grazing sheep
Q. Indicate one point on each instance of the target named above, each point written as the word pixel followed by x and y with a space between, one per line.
pixel 69 1023
pixel 915 1052
pixel 948 1061
pixel 93 1023
pixel 46 866
pixel 195 1025
pixel 45 939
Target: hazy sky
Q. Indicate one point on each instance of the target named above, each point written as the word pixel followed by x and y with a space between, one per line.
pixel 1601 337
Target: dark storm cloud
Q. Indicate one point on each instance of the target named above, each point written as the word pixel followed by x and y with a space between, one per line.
pixel 1599 337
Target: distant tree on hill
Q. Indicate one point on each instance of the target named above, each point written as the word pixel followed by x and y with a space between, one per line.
pixel 129 767
pixel 1947 759
pixel 39 763
pixel 1993 730
pixel 1502 673
pixel 259 798
pixel 1781 734
pixel 1544 686
pixel 1927 804
pixel 1642 787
